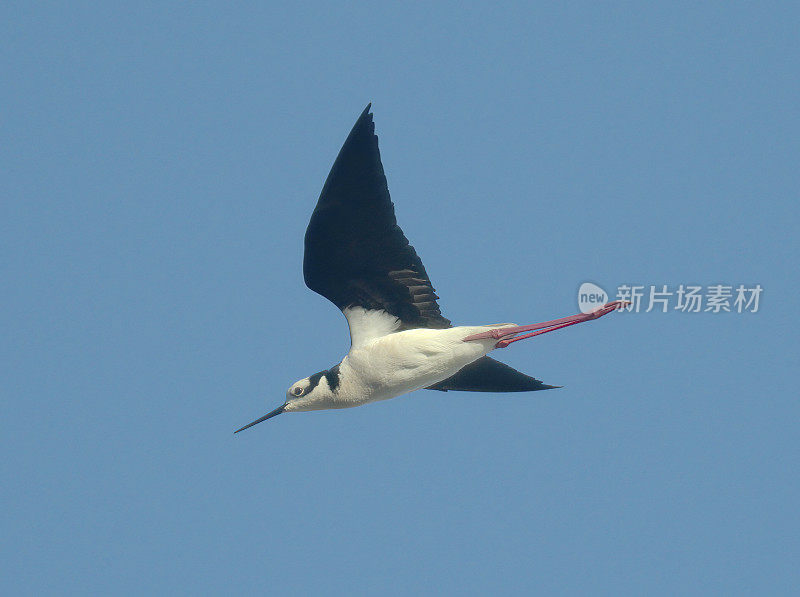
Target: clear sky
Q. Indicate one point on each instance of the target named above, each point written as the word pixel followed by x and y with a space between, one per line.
pixel 159 165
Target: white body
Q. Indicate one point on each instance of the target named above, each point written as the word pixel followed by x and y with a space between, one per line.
pixel 384 365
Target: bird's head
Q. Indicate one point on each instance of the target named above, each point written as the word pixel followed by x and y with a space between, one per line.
pixel 309 393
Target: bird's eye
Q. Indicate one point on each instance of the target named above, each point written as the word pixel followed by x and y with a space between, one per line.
pixel 297 391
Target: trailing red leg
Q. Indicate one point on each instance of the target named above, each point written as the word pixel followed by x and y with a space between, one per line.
pixel 507 335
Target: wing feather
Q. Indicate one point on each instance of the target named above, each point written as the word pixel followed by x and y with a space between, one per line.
pixel 355 253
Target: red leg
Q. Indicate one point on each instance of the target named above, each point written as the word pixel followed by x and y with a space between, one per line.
pixel 506 336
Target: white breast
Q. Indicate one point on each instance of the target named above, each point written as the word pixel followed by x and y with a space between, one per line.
pixel 401 362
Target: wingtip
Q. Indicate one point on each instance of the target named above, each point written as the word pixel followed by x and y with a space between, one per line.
pixel 366 111
pixel 549 387
pixel 365 120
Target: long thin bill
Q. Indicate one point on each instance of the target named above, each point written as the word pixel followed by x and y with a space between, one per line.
pixel 269 415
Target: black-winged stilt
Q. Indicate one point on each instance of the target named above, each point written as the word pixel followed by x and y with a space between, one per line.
pixel 357 257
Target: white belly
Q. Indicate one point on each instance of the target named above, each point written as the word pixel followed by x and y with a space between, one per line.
pixel 406 361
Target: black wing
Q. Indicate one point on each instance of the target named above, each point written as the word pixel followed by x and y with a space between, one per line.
pixel 355 253
pixel 357 256
pixel 488 375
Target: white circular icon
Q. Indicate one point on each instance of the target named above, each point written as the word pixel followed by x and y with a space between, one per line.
pixel 591 297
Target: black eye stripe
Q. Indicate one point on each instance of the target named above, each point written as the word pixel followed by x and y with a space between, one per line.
pixel 331 376
pixel 313 381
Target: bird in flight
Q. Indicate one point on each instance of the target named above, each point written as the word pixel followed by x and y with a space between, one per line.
pixel 357 257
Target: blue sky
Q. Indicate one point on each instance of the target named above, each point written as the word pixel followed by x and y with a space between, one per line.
pixel 160 164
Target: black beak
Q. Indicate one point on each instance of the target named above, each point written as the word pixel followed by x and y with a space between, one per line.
pixel 269 415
